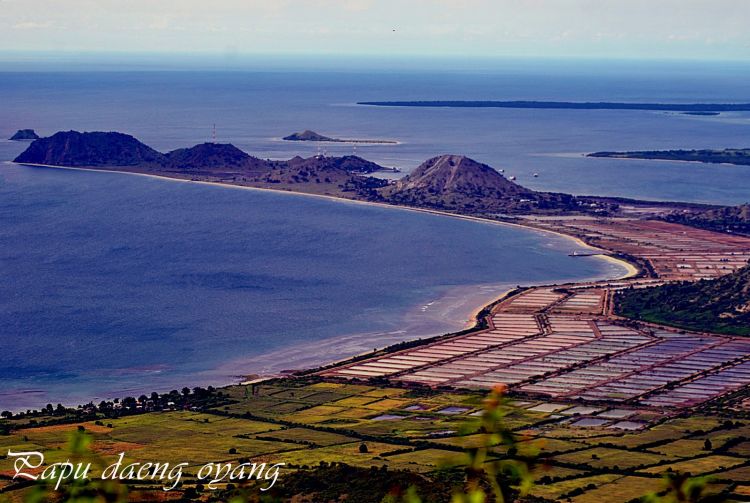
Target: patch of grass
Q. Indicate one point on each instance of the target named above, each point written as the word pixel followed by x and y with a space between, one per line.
pixel 555 490
pixel 604 457
pixel 699 466
pixel 625 488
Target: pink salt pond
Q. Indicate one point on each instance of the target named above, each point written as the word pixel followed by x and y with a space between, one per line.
pixel 388 417
pixel 453 410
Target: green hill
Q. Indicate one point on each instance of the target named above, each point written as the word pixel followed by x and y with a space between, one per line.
pixel 719 305
pixel 728 219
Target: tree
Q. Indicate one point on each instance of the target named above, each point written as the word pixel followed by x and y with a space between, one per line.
pixel 707 445
pixel 363 448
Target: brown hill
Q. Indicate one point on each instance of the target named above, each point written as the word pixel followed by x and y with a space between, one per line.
pixel 457 183
pixel 216 159
pixel 328 175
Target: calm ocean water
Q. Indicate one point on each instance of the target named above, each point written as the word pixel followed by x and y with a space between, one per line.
pixel 115 284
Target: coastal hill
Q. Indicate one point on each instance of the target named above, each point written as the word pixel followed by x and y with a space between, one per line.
pixel 458 183
pixel 24 134
pixel 349 163
pixel 212 156
pixel 740 156
pixel 71 148
pixel 308 135
pixel 735 219
pixel 719 305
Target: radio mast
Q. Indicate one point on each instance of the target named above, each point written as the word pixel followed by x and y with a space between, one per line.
pixel 213 134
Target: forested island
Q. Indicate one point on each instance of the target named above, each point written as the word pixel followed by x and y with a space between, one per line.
pixel 739 156
pixel 572 105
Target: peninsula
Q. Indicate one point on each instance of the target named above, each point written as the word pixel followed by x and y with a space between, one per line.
pixel 308 135
pixel 570 105
pixel 445 183
pixel 739 156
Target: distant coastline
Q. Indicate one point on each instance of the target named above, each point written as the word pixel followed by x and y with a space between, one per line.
pixel 569 105
pixel 739 157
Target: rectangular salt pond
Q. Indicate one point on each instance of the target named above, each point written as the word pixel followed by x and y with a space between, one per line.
pixel 589 422
pixel 416 407
pixel 549 407
pixel 388 417
pixel 581 410
pixel 617 413
pixel 453 410
pixel 628 425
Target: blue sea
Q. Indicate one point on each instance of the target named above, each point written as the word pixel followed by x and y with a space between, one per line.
pixel 114 285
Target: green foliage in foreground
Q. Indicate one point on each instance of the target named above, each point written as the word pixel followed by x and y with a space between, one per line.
pixel 719 305
pixel 488 476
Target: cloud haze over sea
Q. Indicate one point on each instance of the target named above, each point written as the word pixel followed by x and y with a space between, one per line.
pixel 604 28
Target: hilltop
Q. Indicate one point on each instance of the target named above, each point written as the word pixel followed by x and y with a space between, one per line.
pixel 24 134
pixel 458 183
pixel 96 149
pixel 719 305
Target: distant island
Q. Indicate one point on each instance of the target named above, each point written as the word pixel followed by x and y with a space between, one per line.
pixel 740 156
pixel 309 135
pixel 24 134
pixel 572 105
pixel 707 114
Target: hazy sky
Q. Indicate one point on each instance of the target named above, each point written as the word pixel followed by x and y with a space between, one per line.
pixel 709 29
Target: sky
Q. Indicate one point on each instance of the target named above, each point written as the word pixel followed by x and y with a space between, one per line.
pixel 627 29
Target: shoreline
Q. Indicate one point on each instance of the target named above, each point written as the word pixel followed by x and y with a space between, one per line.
pixel 471 322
